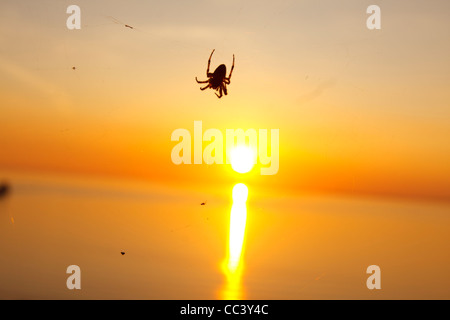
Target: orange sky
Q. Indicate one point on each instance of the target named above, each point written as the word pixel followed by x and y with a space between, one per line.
pixel 359 111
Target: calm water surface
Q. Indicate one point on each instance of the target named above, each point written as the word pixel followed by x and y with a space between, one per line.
pixel 230 248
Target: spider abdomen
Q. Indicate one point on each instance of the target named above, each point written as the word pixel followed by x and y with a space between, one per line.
pixel 218 76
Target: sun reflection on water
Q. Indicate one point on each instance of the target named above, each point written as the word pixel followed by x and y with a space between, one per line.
pixel 232 266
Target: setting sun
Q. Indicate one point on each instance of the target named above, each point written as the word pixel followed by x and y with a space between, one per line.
pixel 242 159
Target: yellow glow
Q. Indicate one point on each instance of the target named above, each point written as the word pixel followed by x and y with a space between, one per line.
pixel 233 265
pixel 232 289
pixel 242 159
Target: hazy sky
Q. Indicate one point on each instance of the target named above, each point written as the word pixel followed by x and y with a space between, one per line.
pixel 358 111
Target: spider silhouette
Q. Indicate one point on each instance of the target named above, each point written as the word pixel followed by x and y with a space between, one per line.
pixel 217 80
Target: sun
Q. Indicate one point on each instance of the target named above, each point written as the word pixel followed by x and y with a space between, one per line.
pixel 242 159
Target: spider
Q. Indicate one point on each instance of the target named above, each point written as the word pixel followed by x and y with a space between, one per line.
pixel 217 80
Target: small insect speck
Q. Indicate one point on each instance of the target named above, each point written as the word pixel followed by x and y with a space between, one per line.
pixel 4 189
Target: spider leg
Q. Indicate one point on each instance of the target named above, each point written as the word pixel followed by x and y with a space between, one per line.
pixel 231 71
pixel 208 74
pixel 201 81
pixel 225 89
pixel 226 80
pixel 220 91
pixel 206 87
